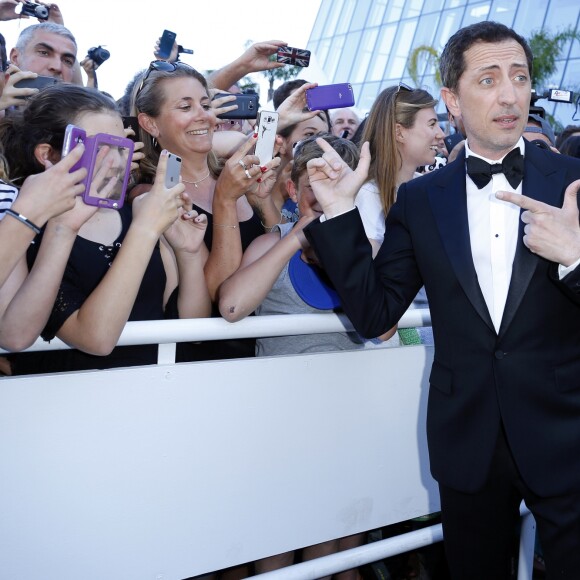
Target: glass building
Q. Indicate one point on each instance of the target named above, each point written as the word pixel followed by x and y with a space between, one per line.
pixel 368 42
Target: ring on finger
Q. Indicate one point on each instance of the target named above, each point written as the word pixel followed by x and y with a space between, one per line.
pixel 244 166
pixel 248 174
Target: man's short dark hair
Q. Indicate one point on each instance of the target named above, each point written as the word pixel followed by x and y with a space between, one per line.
pixel 452 62
pixel 285 90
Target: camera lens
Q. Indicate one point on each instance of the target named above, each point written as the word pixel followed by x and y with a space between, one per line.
pixel 41 12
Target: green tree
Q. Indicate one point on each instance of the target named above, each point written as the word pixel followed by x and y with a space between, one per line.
pixel 547 49
pixel 282 74
pixel 417 56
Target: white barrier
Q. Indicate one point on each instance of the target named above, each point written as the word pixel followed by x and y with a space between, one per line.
pixel 170 471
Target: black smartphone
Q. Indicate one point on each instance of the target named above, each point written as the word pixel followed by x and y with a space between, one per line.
pixel 247 106
pixel 132 123
pixel 166 44
pixel 452 140
pixel 39 83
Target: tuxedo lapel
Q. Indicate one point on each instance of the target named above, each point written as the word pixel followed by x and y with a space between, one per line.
pixel 544 181
pixel 448 201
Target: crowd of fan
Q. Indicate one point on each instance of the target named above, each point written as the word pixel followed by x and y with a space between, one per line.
pixel 226 241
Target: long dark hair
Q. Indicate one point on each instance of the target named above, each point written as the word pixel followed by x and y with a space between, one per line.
pixel 44 120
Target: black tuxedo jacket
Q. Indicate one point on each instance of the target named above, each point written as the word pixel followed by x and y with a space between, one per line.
pixel 527 375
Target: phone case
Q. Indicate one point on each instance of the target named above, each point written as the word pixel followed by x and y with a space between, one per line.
pixel 267 126
pixel 166 44
pixel 173 171
pixel 247 106
pixel 121 150
pixel 293 56
pixel 330 97
pixel 39 83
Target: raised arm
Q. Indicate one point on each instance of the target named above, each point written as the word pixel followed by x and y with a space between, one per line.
pixel 96 326
pixel 256 58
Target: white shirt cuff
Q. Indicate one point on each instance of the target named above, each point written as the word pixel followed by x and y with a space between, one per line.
pixel 565 270
pixel 323 218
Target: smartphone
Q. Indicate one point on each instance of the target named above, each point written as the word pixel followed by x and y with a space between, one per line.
pixel 247 106
pixel 266 129
pixel 166 44
pixel 293 56
pixel 107 159
pixel 330 97
pixel 108 170
pixel 39 83
pixel 132 123
pixel 173 171
pixel 452 140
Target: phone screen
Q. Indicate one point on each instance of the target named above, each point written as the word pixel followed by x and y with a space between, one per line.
pixel 108 169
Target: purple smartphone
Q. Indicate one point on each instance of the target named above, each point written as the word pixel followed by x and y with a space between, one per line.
pixel 330 97
pixel 107 159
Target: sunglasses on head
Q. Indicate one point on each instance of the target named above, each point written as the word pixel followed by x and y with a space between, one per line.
pixel 404 87
pixel 162 66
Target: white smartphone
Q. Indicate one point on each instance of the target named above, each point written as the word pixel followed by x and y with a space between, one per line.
pixel 266 128
pixel 173 170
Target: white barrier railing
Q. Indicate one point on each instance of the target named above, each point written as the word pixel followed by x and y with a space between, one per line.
pixel 176 470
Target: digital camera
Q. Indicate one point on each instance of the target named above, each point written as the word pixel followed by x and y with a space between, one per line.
pixel 98 54
pixel 33 9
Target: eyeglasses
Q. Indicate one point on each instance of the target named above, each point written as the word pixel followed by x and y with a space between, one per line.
pixel 404 87
pixel 160 65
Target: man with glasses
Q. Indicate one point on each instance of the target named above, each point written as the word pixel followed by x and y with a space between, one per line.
pixel 503 419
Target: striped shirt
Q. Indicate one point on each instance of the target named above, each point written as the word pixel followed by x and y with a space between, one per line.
pixel 8 194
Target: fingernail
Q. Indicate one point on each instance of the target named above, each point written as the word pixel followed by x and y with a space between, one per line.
pixel 255 135
pixel 263 169
pixel 259 180
pixel 164 152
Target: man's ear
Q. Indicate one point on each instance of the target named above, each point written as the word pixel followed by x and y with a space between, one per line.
pixel 451 100
pixel 14 55
pixel 45 152
pixel 291 189
pixel 148 123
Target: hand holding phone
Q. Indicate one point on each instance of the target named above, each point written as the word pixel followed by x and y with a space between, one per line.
pixel 247 106
pixel 107 159
pixel 173 170
pixel 166 44
pixel 266 129
pixel 293 56
pixel 39 82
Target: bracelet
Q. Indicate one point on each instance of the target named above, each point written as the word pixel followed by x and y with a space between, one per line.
pixel 224 226
pixel 23 219
pixel 268 228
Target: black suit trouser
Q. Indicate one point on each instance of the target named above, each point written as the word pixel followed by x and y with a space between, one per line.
pixel 480 529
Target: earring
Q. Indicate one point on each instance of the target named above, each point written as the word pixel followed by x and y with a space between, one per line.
pixel 155 144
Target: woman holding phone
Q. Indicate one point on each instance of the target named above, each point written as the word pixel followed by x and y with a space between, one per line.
pixel 173 104
pixel 117 270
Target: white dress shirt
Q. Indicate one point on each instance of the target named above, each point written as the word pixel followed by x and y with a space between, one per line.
pixel 493 233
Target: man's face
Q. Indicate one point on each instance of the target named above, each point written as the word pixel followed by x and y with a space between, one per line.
pixel 344 120
pixel 47 54
pixel 492 97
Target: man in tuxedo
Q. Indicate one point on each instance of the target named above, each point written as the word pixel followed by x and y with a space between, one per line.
pixel 503 420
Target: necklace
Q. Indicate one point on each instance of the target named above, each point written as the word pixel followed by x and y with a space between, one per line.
pixel 194 183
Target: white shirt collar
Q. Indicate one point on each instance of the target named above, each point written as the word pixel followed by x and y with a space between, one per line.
pixel 519 144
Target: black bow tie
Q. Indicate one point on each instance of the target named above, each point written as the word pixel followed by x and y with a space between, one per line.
pixel 512 167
